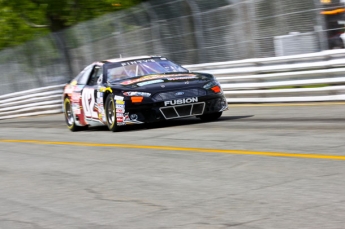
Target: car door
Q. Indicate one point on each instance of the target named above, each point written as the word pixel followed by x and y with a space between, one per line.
pixel 91 101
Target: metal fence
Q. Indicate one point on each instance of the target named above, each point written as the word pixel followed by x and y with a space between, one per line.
pixel 186 31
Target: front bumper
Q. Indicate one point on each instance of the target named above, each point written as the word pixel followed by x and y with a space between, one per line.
pixel 158 111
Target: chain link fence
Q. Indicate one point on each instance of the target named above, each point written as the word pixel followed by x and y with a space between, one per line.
pixel 186 31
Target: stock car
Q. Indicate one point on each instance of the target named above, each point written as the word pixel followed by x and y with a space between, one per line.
pixel 138 90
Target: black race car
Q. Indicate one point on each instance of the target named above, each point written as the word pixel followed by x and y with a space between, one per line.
pixel 138 90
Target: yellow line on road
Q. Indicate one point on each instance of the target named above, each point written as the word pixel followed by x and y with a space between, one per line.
pixel 173 148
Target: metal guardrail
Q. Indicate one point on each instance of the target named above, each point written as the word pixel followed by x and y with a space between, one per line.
pixel 39 101
pixel 314 77
pixel 311 77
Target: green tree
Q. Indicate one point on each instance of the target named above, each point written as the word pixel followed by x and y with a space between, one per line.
pixel 21 20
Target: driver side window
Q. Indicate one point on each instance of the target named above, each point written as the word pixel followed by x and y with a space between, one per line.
pixel 95 75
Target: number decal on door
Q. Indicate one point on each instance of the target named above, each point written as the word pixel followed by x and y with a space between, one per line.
pixel 88 100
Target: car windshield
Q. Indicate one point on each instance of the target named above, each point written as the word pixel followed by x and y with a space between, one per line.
pixel 129 69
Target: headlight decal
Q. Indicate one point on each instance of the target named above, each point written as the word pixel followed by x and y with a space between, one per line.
pixel 137 99
pixel 214 86
pixel 137 93
pixel 216 89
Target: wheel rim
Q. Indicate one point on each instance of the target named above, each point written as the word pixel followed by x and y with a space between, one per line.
pixel 69 114
pixel 111 113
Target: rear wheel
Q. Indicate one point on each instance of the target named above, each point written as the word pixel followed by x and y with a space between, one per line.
pixel 69 116
pixel 211 116
pixel 110 113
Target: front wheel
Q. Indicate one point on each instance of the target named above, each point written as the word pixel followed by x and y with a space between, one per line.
pixel 210 117
pixel 110 113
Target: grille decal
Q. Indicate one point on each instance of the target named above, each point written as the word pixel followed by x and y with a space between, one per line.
pixel 181 111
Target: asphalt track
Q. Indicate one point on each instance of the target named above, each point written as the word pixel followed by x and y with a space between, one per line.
pixel 258 167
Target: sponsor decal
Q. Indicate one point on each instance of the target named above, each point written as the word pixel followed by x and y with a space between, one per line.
pixel 120 110
pixel 119 119
pixel 150 82
pixel 78 88
pixel 120 102
pixel 69 89
pixel 117 97
pixel 137 62
pixel 74 82
pixel 120 106
pixel 101 111
pixel 182 78
pixel 126 117
pixel 76 97
pixel 99 100
pixel 99 94
pixel 119 115
pixel 181 101
pixel 152 77
pixel 76 111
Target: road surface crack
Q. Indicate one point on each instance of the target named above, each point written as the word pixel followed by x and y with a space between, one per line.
pixel 99 196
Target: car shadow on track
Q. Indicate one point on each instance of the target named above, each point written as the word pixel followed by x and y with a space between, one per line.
pixel 168 123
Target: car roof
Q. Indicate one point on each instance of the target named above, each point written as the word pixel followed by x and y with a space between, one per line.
pixel 115 60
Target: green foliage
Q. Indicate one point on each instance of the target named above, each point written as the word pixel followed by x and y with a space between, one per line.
pixel 22 20
pixel 12 29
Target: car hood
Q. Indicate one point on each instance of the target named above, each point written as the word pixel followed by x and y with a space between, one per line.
pixel 168 80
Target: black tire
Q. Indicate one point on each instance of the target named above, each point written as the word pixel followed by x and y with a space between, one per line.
pixel 69 116
pixel 110 113
pixel 210 117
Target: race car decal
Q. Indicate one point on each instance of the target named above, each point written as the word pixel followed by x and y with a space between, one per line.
pixel 117 97
pixel 69 89
pixel 137 62
pixel 88 101
pixel 75 97
pixel 120 102
pixel 183 78
pixel 120 110
pixel 151 77
pixel 150 82
pixel 76 109
pixel 100 110
pixel 181 101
